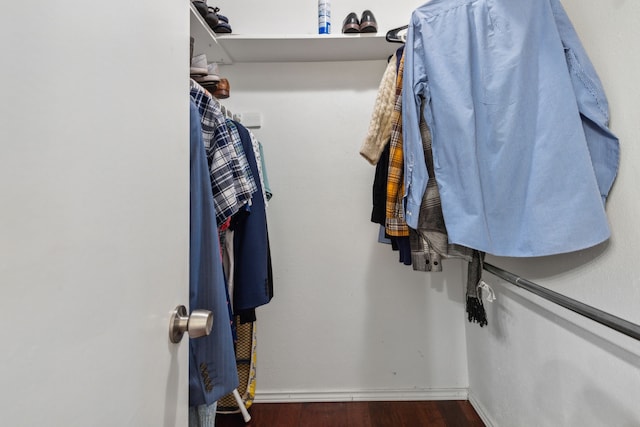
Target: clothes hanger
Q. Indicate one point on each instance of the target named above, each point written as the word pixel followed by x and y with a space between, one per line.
pixel 397 35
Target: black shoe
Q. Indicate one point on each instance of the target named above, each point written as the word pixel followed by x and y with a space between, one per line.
pixel 212 18
pixel 368 22
pixel 201 7
pixel 351 24
pixel 222 27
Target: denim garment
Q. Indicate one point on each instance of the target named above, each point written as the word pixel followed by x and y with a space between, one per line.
pixel 523 156
pixel 203 415
pixel 212 361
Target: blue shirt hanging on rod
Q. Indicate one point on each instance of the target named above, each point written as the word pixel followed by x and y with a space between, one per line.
pixel 523 155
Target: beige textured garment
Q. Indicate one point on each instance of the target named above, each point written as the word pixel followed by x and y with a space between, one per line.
pixel 380 125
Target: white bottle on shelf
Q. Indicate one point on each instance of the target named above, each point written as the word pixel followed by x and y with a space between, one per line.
pixel 324 16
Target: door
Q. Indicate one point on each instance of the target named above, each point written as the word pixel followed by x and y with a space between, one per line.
pixel 94 216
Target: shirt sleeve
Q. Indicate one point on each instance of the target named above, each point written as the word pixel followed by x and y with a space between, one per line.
pixel 414 88
pixel 592 103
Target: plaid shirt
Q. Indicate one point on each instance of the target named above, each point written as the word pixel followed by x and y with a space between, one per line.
pixel 430 242
pixel 245 182
pixel 221 156
pixel 395 223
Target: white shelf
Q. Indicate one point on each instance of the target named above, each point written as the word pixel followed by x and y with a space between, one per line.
pixel 230 48
pixel 306 47
pixel 205 40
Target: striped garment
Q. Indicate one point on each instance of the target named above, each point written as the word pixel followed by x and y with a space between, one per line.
pixel 245 181
pixel 231 190
pixel 396 225
pixel 429 242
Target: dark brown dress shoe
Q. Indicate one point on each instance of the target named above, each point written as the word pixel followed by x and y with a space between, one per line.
pixel 212 18
pixel 222 28
pixel 368 22
pixel 222 89
pixel 351 24
pixel 201 7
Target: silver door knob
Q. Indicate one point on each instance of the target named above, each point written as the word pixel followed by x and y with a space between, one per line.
pixel 199 324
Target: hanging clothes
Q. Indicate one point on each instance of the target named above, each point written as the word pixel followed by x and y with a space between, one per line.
pixel 229 247
pixel 428 243
pixel 253 279
pixel 203 415
pixel 523 156
pixel 395 225
pixel 262 170
pixel 375 147
pixel 212 368
pixel 232 188
pixel 376 150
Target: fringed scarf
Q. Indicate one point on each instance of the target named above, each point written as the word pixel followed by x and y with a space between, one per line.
pixel 475 309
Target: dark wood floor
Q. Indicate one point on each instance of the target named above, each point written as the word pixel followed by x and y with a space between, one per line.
pixel 357 414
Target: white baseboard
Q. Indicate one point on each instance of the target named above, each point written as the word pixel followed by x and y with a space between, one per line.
pixel 482 412
pixel 361 395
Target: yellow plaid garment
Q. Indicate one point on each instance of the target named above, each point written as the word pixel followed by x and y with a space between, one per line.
pixel 395 223
pixel 246 363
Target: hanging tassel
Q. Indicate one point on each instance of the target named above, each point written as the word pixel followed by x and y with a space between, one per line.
pixel 475 309
pixel 476 312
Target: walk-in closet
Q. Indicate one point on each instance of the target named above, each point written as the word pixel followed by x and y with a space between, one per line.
pixel 98 215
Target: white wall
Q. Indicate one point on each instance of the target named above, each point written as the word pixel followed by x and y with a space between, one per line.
pixel 347 320
pixel 536 364
pixel 301 17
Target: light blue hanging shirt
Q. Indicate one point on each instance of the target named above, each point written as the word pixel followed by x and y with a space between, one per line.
pixel 523 155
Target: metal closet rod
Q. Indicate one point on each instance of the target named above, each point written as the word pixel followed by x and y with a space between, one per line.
pixel 623 326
